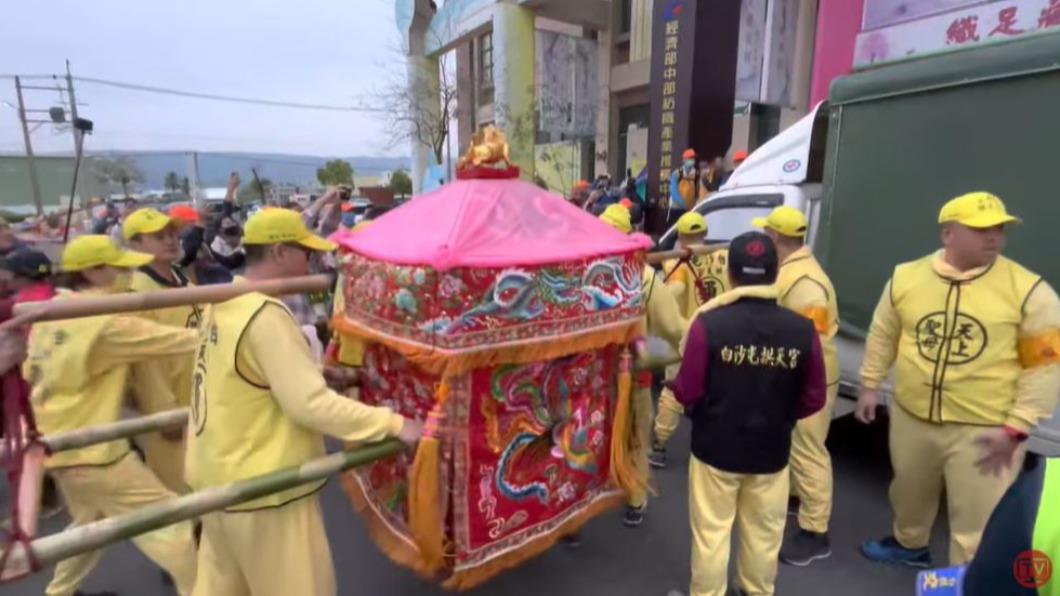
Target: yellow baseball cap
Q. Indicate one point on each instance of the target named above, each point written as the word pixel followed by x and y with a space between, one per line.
pixel 86 252
pixel 144 221
pixel 280 226
pixel 784 220
pixel 618 218
pixel 976 210
pixel 692 223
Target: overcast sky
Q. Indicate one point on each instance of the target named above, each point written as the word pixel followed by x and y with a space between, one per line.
pixel 309 51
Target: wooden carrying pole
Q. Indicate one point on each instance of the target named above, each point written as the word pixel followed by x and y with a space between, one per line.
pixel 55 310
pixel 49 550
pixel 660 257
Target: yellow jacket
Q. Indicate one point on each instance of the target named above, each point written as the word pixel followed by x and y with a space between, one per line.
pixel 78 369
pixel 662 316
pixel 696 281
pixel 804 287
pixel 975 347
pixel 164 383
pixel 260 402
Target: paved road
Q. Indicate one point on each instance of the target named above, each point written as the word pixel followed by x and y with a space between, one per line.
pixel 613 560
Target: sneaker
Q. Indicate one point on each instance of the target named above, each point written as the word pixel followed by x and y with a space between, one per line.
pixel 572 540
pixel 634 516
pixel 888 550
pixel 657 457
pixel 805 547
pixel 793 506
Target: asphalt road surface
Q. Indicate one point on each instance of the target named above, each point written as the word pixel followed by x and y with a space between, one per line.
pixel 613 560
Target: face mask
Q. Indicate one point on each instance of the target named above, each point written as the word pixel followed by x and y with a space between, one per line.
pixel 349 220
pixel 690 166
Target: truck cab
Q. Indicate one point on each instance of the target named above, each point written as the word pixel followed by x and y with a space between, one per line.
pixel 785 171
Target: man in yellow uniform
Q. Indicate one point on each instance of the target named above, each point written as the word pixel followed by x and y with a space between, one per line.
pixel 694 280
pixel 975 340
pixel 163 383
pixel 802 286
pixel 662 319
pixel 260 404
pixel 78 369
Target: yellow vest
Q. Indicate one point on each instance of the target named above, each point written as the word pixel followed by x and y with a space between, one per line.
pixel 236 429
pixel 178 369
pixel 802 265
pixel 68 394
pixel 702 278
pixel 958 354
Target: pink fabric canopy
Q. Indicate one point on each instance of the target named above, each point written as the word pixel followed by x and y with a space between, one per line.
pixel 488 223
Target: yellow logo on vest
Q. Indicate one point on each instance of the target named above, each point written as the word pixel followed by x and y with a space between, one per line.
pixel 763 356
pixel 198 399
pixel 966 340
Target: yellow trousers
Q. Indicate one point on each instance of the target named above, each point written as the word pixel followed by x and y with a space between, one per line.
pixel 95 492
pixel 757 503
pixel 166 459
pixel 279 551
pixel 642 417
pixel 670 411
pixel 928 458
pixel 811 467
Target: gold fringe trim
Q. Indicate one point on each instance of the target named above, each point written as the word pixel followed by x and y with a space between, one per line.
pixel 476 576
pixel 397 550
pixel 426 515
pixel 449 364
pixel 623 436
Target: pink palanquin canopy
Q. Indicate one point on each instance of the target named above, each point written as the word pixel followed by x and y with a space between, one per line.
pixel 489 223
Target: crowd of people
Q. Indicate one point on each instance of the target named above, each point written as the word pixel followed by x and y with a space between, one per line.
pixel 755 323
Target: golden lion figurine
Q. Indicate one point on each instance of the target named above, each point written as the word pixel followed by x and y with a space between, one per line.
pixel 488 146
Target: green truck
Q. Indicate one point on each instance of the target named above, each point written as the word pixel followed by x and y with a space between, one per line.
pixel 872 166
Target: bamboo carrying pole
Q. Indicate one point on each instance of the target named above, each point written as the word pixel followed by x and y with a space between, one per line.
pixel 659 257
pixel 55 310
pixel 57 547
pixel 49 550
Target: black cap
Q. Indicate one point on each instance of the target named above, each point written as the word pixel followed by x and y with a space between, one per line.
pixel 752 260
pixel 26 262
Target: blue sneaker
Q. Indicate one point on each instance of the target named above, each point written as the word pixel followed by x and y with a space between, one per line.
pixel 888 550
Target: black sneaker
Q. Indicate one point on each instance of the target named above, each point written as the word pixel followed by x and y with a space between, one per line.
pixel 889 550
pixel 572 540
pixel 805 547
pixel 634 516
pixel 657 457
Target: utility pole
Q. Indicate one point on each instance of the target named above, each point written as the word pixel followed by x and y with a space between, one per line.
pixel 30 163
pixel 193 171
pixel 79 137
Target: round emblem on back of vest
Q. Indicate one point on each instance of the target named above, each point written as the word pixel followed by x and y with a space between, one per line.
pixel 708 288
pixel 959 343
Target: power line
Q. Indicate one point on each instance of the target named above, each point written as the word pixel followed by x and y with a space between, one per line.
pixel 228 98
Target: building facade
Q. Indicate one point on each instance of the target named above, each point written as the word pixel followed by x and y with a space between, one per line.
pixel 569 82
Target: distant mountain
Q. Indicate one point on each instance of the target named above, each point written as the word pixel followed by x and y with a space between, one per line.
pixel 214 168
